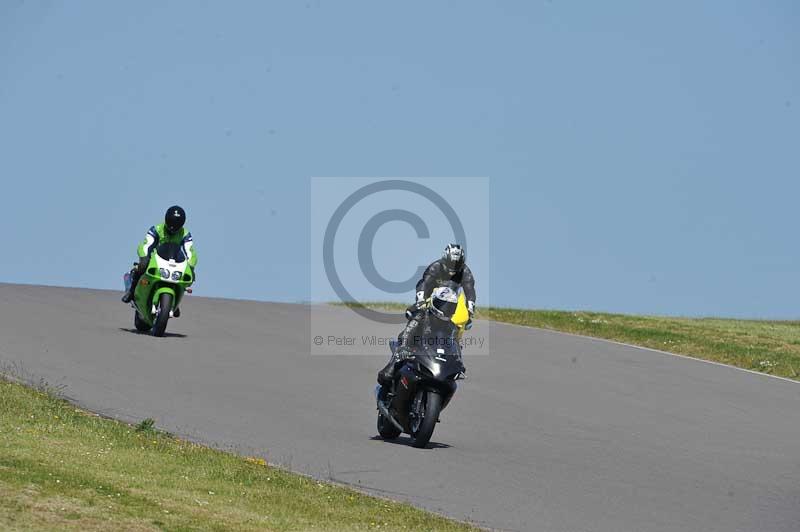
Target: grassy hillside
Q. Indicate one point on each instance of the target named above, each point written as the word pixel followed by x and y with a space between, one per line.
pixel 767 346
pixel 65 469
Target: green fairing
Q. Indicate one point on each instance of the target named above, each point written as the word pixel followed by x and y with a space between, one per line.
pixel 151 284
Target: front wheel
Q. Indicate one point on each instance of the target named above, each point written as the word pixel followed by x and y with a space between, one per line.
pixel 162 317
pixel 427 413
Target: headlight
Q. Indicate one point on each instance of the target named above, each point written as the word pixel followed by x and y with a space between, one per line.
pixel 164 273
pixel 176 276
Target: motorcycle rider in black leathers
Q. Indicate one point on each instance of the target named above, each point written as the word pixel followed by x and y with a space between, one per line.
pixel 449 271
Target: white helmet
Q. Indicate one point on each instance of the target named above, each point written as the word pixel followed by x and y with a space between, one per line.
pixel 443 303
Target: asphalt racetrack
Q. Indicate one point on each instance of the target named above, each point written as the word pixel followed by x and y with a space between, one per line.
pixel 550 432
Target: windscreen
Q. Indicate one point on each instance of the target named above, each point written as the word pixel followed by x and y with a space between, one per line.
pixel 171 251
pixel 441 335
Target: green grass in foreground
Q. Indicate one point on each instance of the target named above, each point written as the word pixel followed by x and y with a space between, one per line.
pixel 767 346
pixel 65 469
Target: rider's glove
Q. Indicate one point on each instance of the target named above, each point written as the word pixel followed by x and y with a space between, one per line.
pixel 471 308
pixel 412 310
pixel 420 297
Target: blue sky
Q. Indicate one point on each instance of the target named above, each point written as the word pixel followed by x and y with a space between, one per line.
pixel 643 157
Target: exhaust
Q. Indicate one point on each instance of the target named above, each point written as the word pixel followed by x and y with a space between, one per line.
pixel 385 411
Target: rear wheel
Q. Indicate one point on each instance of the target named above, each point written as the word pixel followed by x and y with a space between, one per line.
pixel 139 323
pixel 426 414
pixel 162 314
pixel 386 429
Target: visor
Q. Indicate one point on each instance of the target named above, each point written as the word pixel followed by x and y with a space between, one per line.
pixel 444 309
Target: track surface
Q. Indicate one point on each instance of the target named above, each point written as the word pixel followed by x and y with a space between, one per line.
pixel 550 433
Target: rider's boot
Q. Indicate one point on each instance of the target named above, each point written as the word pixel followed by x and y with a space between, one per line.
pixel 128 296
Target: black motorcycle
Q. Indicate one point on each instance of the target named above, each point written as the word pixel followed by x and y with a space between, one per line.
pixel 422 388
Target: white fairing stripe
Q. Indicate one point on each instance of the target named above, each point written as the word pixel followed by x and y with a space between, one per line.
pixel 150 239
pixel 187 249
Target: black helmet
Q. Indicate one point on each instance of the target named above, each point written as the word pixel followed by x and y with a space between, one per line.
pixel 453 259
pixel 174 219
pixel 443 303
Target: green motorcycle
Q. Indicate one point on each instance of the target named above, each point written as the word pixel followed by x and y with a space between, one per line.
pixel 160 288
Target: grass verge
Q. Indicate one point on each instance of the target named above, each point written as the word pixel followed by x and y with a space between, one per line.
pixel 771 347
pixel 65 469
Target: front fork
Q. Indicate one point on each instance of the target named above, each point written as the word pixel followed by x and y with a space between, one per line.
pixel 157 295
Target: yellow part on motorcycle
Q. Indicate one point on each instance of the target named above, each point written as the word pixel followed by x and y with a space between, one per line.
pixel 461 315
